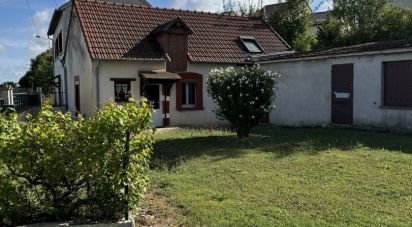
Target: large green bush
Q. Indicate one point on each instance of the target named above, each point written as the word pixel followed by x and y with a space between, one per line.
pixel 243 95
pixel 54 167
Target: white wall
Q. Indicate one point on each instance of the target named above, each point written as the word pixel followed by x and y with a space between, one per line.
pixel 79 63
pixel 122 69
pixel 58 66
pixel 131 69
pixel 304 95
pixel 200 117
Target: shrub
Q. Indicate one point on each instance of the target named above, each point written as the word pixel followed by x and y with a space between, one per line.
pixel 54 167
pixel 243 95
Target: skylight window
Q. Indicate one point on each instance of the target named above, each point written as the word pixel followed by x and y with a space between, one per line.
pixel 251 45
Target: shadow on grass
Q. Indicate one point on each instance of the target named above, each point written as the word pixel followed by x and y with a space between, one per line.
pixel 282 142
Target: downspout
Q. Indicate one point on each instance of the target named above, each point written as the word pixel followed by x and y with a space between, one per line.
pixel 98 84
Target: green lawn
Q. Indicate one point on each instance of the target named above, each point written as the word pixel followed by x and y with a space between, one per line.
pixel 283 176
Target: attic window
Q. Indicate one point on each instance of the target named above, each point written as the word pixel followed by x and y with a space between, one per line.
pixel 251 45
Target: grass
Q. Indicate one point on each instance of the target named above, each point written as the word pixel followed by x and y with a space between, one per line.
pixel 284 176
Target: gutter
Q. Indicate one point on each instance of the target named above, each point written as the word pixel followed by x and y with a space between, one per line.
pixel 353 54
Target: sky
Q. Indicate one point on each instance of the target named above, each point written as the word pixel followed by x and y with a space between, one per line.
pixel 22 20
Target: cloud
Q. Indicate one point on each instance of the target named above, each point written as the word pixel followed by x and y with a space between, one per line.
pixel 2 48
pixel 12 69
pixel 37 45
pixel 19 46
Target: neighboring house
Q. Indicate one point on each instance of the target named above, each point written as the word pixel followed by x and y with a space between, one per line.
pixel 367 85
pixel 107 51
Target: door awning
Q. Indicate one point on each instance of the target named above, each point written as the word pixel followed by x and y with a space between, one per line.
pixel 160 76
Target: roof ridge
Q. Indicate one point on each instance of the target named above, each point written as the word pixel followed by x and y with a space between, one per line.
pixel 170 9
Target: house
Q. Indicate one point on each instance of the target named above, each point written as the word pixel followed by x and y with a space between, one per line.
pixel 363 85
pixel 111 51
pixel 114 51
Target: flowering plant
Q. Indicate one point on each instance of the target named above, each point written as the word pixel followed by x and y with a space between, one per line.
pixel 243 95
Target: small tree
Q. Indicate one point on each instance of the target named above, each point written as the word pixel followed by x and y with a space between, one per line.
pixel 360 21
pixel 293 21
pixel 243 95
pixel 40 73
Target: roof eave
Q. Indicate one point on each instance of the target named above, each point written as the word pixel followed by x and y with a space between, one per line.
pixel 54 22
pixel 359 53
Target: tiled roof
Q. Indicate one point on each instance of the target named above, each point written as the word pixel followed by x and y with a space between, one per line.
pixel 366 47
pixel 121 31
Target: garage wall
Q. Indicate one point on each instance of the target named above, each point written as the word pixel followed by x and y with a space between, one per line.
pixel 304 95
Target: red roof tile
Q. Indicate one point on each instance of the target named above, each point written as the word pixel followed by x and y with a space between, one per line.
pixel 122 31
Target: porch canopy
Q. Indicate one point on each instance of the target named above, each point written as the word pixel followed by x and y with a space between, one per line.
pixel 159 77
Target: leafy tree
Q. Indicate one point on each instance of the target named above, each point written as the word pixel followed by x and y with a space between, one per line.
pixel 243 95
pixel 396 23
pixel 8 83
pixel 293 22
pixel 360 21
pixel 40 73
pixel 241 9
pixel 54 167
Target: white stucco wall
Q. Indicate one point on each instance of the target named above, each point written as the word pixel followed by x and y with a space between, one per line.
pixel 201 117
pixel 121 69
pixel 304 95
pixel 131 69
pixel 79 63
pixel 62 26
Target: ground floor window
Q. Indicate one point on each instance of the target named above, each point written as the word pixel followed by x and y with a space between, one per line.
pixel 122 89
pixel 189 92
pixel 397 81
pixel 189 95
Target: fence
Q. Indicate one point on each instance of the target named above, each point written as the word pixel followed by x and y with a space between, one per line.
pixel 24 101
pixel 2 103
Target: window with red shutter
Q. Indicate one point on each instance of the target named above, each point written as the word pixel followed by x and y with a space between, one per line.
pixel 189 92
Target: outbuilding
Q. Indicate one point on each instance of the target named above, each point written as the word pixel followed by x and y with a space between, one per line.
pixel 362 85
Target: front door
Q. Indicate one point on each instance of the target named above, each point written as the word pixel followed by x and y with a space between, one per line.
pixel 153 94
pixel 342 94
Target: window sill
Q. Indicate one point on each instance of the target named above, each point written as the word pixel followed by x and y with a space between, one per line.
pixel 183 109
pixel 395 108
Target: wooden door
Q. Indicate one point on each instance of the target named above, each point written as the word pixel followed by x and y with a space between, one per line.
pixel 342 94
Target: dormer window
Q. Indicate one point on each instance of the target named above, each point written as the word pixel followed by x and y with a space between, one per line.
pixel 251 45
